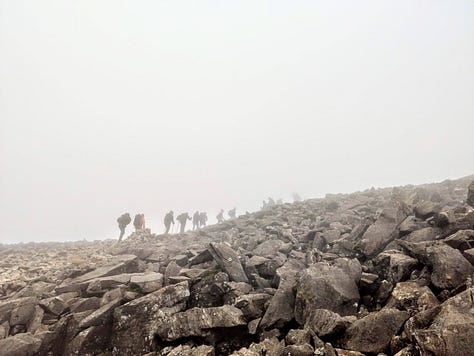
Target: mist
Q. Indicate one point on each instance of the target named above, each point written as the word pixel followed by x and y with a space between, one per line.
pixel 111 107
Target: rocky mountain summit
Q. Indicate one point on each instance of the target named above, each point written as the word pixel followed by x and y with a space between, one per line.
pixel 383 271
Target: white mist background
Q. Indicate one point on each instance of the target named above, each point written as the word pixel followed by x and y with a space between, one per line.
pixel 146 106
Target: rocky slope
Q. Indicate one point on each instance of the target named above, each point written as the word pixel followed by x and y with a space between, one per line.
pixel 384 271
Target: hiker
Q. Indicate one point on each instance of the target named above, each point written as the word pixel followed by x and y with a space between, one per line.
pixel 142 221
pixel 220 216
pixel 232 213
pixel 271 202
pixel 169 219
pixel 137 222
pixel 196 220
pixel 296 197
pixel 202 219
pixel 123 220
pixel 183 218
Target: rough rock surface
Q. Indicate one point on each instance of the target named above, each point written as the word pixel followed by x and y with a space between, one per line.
pixel 380 271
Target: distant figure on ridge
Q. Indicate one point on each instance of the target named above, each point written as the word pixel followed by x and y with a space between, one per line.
pixel 183 218
pixel 232 213
pixel 296 197
pixel 470 194
pixel 202 219
pixel 123 221
pixel 196 220
pixel 220 216
pixel 169 219
pixel 138 221
pixel 271 202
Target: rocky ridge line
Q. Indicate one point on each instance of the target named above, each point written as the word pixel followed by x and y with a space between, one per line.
pixel 384 271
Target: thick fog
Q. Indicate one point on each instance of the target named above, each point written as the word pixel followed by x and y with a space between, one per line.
pixel 145 106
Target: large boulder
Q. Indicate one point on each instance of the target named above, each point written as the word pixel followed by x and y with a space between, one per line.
pixel 23 344
pixel 394 266
pixel 281 307
pixel 322 286
pixel 426 209
pixel 449 267
pixel 412 297
pixel 134 322
pixel 461 240
pixel 384 230
pixel 228 260
pixel 451 331
pixel 373 332
pixel 90 341
pixel 197 322
pixel 325 322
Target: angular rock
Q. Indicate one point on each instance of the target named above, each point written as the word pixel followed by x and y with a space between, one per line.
pixel 461 240
pixel 469 255
pixel 281 307
pixel 134 321
pixel 374 332
pixel 411 297
pixel 6 307
pixel 394 266
pixel 452 328
pixel 186 350
pixel 424 234
pixel 252 305
pixel 197 322
pixel 100 285
pixel 325 322
pixel 228 260
pixel 147 282
pixel 426 209
pixel 449 267
pixel 23 344
pixel 325 287
pixel 101 316
pixel 298 350
pixel 172 270
pixel 90 341
pixel 384 230
pixel 298 337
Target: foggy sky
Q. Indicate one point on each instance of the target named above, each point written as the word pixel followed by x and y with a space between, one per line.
pixel 146 106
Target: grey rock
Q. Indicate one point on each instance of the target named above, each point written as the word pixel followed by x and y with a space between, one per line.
pixel 325 287
pixel 197 322
pixel 411 297
pixel 147 282
pixel 426 209
pixel 449 267
pixel 325 322
pixel 90 341
pixel 461 240
pixel 23 344
pixel 451 330
pixel 281 307
pixel 134 321
pixel 252 305
pixel 228 260
pixel 374 332
pixel 101 316
pixel 384 230
pixel 298 337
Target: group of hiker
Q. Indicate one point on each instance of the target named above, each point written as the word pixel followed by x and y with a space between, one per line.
pixel 199 220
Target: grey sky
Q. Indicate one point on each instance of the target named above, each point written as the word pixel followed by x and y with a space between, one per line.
pixel 143 106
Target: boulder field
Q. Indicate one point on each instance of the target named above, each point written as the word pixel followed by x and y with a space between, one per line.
pixel 379 272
